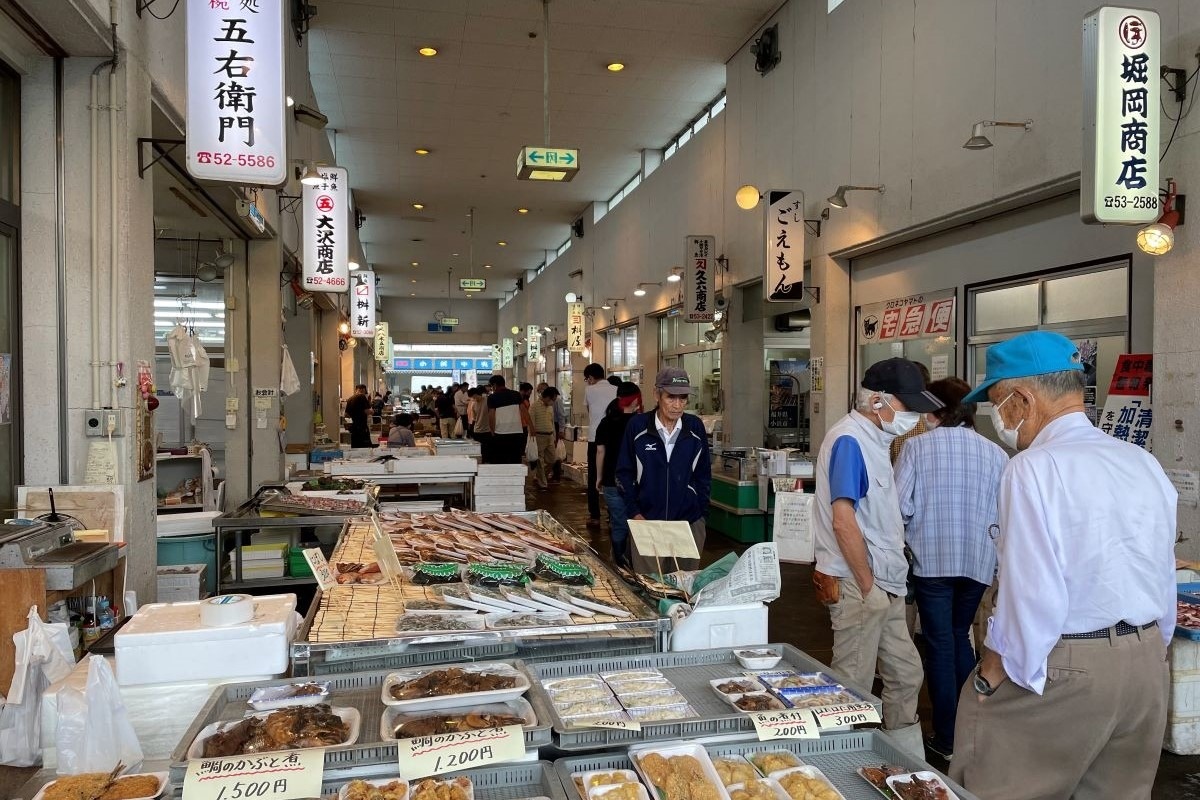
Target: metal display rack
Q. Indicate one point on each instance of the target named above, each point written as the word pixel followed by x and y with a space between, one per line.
pixel 690 672
pixel 360 691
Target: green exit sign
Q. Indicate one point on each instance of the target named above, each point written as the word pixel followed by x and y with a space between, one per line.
pixel 472 284
pixel 547 163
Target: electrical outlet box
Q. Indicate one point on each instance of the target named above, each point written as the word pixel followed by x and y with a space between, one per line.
pixel 231 405
pixel 97 422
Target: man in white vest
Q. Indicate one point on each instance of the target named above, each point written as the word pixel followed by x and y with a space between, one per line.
pixel 861 571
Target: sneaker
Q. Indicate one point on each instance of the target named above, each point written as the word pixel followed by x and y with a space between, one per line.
pixel 939 750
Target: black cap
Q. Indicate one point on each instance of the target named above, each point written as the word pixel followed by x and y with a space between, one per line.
pixel 627 389
pixel 902 379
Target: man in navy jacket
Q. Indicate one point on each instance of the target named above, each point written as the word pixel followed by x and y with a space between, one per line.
pixel 663 470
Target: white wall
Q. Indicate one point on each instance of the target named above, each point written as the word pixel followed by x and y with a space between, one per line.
pixel 408 317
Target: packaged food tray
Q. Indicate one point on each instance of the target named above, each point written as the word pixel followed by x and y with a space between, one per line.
pixel 516 781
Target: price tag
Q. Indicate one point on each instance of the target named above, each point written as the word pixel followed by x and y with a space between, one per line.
pixel 613 724
pixel 449 752
pixel 794 724
pixel 279 776
pixel 845 714
pixel 320 568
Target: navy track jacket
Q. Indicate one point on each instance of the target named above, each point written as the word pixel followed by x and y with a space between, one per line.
pixel 656 489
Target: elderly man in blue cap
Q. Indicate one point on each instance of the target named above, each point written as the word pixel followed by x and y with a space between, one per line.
pixel 1074 688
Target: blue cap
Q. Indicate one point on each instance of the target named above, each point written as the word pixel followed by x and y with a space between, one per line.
pixel 1033 353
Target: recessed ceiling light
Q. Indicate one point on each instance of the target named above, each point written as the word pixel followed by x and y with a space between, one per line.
pixel 615 66
pixel 487 266
pixel 454 255
pixel 412 294
pixel 418 206
pixel 416 263
pixel 522 210
pixel 502 244
pixel 422 151
pixel 414 280
pixel 428 52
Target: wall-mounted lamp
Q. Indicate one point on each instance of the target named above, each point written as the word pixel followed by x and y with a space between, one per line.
pixel 747 197
pixel 571 297
pixel 1158 238
pixel 838 198
pixel 343 327
pixel 640 291
pixel 610 302
pixel 308 174
pixel 980 142
pixel 676 275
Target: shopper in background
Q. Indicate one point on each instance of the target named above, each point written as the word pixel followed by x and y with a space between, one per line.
pixel 483 427
pixel 614 380
pixel 461 398
pixel 377 409
pixel 357 409
pixel 542 417
pixel 444 405
pixel 473 402
pixel 1074 686
pixel 663 471
pixel 609 436
pixel 506 415
pixel 861 569
pixel 596 397
pixel 947 482
pixel 401 434
pixel 919 428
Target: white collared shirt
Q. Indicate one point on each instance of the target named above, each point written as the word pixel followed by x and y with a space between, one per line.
pixel 669 437
pixel 1087 540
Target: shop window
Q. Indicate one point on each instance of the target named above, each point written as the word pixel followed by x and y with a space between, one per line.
pixel 10 136
pixel 920 327
pixel 622 350
pixel 1007 308
pixel 1095 295
pixel 10 288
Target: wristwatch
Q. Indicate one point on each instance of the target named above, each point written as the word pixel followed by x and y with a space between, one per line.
pixel 981 684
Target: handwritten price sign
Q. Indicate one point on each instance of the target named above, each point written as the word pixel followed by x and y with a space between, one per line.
pixel 433 755
pixel 846 714
pixel 613 724
pixel 279 776
pixel 795 724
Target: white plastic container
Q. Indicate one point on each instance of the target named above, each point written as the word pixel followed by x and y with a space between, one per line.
pixel 716 627
pixel 166 643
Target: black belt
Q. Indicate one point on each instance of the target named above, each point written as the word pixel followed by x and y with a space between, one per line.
pixel 1121 629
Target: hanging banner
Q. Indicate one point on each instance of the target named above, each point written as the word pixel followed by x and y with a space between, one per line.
pixel 576 325
pixel 701 254
pixel 496 355
pixel 1128 413
pixel 783 280
pixel 236 102
pixel 507 357
pixel 917 316
pixel 362 305
pixel 327 232
pixel 533 342
pixel 1121 121
pixel 383 353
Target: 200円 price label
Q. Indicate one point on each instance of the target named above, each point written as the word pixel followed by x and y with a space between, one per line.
pixel 797 723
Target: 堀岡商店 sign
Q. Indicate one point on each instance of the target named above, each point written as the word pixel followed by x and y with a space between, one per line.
pixel 783 279
pixel 236 102
pixel 701 255
pixel 327 232
pixel 917 316
pixel 1121 129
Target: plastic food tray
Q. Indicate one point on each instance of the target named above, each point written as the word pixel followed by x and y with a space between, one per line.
pixel 691 672
pixel 351 717
pixel 837 755
pixel 359 690
pixel 455 700
pixel 505 782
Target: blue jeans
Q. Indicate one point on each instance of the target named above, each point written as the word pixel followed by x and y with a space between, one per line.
pixel 618 521
pixel 947 607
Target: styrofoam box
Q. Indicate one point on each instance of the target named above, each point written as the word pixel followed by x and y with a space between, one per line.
pixel 165 643
pixel 494 470
pixel 1183 735
pixel 181 576
pixel 721 626
pixel 188 523
pixel 252 570
pixel 1184 656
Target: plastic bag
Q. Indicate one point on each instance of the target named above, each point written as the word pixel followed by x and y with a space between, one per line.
pixel 531 450
pixel 289 381
pixel 43 657
pixel 458 429
pixel 560 450
pixel 94 731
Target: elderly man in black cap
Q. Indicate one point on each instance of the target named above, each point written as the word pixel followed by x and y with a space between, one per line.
pixel 663 470
pixel 861 572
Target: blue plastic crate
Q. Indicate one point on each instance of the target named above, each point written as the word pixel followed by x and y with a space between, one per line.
pixel 1192 599
pixel 321 456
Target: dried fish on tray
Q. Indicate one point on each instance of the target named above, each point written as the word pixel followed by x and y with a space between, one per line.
pixel 303 504
pixel 463 537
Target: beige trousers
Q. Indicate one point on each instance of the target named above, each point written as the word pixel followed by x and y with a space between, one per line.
pixel 447 427
pixel 1095 731
pixel 546 442
pixel 648 565
pixel 872 631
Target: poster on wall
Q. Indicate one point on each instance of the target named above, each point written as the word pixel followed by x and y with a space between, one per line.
pixel 700 254
pixel 816 369
pixel 143 420
pixel 327 232
pixel 236 101
pixel 783 279
pixel 918 316
pixel 5 388
pixel 1121 121
pixel 576 323
pixel 1088 352
pixel 362 305
pixel 1128 413
pixel 787 383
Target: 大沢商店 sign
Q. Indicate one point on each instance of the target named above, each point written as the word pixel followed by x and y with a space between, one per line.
pixel 327 232
pixel 700 252
pixel 576 323
pixel 783 279
pixel 917 316
pixel 1121 129
pixel 236 102
pixel 362 304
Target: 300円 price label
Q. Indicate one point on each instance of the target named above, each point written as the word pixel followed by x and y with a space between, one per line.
pixel 845 714
pixel 423 756
pixel 279 776
pixel 797 723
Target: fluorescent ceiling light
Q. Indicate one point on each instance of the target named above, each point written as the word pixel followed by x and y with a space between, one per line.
pixel 547 175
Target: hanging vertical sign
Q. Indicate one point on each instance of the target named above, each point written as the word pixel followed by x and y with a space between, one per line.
pixel 362 305
pixel 783 281
pixel 533 342
pixel 382 353
pixel 507 357
pixel 1121 129
pixel 327 232
pixel 697 279
pixel 576 325
pixel 497 358
pixel 236 103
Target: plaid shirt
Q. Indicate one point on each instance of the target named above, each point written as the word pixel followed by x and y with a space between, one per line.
pixel 947 481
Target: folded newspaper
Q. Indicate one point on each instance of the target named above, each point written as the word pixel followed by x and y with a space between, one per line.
pixel 753 579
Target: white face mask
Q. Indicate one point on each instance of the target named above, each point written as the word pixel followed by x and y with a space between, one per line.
pixel 902 421
pixel 1007 435
pixel 932 422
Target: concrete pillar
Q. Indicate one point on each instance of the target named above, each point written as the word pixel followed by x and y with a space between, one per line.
pixel 265 337
pixel 300 339
pixel 831 325
pixel 329 371
pixel 238 486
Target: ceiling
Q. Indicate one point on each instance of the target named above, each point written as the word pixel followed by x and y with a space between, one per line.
pixel 477 102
